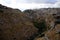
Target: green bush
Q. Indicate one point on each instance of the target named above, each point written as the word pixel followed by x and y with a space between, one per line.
pixel 40 25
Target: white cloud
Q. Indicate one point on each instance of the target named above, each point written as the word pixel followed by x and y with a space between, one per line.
pixel 21 4
pixel 57 4
pixel 32 5
pixel 36 1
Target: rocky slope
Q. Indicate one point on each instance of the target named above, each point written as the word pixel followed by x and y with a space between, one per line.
pixel 14 25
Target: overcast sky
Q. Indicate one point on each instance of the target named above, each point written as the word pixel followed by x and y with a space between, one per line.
pixel 30 4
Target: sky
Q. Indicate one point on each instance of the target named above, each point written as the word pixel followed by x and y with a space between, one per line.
pixel 31 4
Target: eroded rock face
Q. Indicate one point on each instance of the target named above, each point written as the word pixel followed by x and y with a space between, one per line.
pixel 54 32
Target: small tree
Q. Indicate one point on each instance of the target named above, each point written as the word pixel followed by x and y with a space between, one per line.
pixel 40 25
